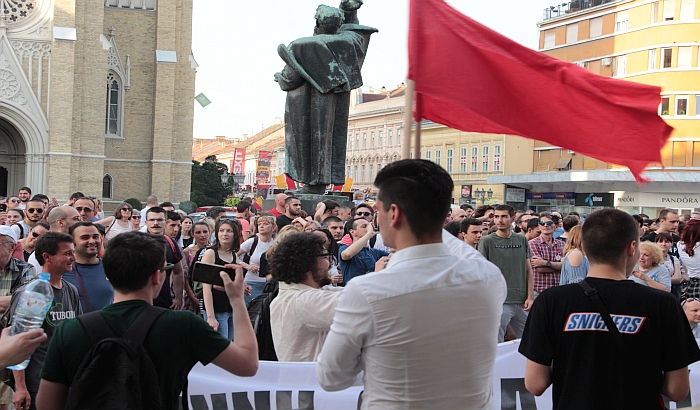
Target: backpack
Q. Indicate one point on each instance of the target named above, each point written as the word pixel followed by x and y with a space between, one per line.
pixel 123 361
pixel 259 313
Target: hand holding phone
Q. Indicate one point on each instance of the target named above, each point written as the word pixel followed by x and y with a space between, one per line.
pixel 209 273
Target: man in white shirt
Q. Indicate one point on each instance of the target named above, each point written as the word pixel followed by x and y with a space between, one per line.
pixel 302 313
pixel 151 201
pixel 423 328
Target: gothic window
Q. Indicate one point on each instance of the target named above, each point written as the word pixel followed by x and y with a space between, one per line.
pixel 113 117
pixel 17 10
pixel 107 186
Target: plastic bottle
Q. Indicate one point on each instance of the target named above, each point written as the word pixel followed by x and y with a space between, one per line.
pixel 31 309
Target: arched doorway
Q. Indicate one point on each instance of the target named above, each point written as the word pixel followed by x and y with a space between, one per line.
pixel 12 159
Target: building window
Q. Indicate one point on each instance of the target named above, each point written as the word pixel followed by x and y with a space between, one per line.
pixel 449 160
pixel 372 140
pixel 596 27
pixel 667 57
pixel 652 59
pixel 687 10
pixel 669 9
pixel 113 105
pixel 349 170
pixel 475 155
pixel 485 159
pixel 665 104
pixel 107 186
pixel 682 105
pixel 362 177
pixel 132 4
pixel 350 142
pixel 654 12
pixel 572 33
pixel 438 156
pixel 391 137
pixel 679 153
pixel 620 66
pixel 463 161
pixel 410 154
pixel 381 137
pixel 357 141
pixel 364 140
pixel 398 138
pixel 428 155
pixel 549 39
pixel 685 55
pixel 621 21
pixel 697 105
pixel 355 173
pixel 371 172
pixel 497 158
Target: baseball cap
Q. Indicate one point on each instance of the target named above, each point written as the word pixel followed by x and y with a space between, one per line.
pixel 9 232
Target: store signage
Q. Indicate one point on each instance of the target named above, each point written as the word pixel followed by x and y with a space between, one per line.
pixel 515 195
pixel 466 191
pixel 679 200
pixel 594 199
pixel 537 195
pixel 560 195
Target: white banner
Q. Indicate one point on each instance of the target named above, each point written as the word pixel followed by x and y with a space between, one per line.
pixel 287 386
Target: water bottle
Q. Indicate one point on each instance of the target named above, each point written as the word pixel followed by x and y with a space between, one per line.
pixel 31 309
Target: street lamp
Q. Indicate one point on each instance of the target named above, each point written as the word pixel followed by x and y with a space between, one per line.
pixel 483 194
pixel 238 180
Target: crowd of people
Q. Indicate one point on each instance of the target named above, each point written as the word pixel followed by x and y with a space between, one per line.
pixel 410 291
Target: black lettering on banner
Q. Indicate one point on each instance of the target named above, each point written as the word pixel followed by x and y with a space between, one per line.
pixel 509 390
pixel 283 399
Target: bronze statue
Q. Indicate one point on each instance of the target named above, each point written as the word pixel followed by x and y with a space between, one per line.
pixel 319 74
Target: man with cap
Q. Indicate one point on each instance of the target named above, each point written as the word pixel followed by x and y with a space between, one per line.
pixel 14 273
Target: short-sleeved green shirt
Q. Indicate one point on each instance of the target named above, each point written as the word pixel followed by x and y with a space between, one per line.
pixel 511 256
pixel 176 342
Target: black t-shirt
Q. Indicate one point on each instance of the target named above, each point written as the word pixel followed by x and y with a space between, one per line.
pixel 164 298
pixel 282 221
pixel 588 371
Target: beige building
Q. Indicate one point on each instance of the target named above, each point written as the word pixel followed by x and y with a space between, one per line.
pixel 97 96
pixel 375 128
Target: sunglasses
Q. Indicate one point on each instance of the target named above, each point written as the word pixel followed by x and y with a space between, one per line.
pixel 550 223
pixel 136 217
pixel 81 209
pixel 126 209
pixel 363 213
pixel 686 300
pixel 15 201
pixel 37 210
pixel 318 228
pixel 35 235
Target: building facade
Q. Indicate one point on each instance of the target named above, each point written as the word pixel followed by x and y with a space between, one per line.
pixel 652 42
pixel 97 96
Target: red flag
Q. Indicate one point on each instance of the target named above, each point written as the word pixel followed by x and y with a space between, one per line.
pixel 291 184
pixel 471 78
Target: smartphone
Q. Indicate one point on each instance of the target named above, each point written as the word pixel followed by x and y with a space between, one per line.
pixel 3 207
pixel 209 273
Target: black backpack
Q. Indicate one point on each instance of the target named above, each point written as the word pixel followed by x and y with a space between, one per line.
pixel 259 313
pixel 117 372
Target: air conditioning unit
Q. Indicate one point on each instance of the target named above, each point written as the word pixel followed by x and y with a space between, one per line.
pixel 607 61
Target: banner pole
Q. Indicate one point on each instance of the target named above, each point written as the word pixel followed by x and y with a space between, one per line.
pixel 407 121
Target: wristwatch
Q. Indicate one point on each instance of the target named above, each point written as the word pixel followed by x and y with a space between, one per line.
pixel 549 264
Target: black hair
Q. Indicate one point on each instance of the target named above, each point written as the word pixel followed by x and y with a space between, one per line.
pixel 637 218
pixel 421 189
pixel 236 226
pixel 467 222
pixel 25 188
pixel 331 204
pixel 40 197
pixel 331 219
pixel 574 213
pixel 504 207
pixel 78 225
pixel 243 205
pixel 214 211
pixel 173 216
pixel 481 210
pixel 42 224
pixel 532 223
pixel 131 258
pixel 85 198
pixel 601 247
pixel 294 256
pixel 49 243
pixel 76 195
pixel 551 216
pixel 155 210
pixel 453 228
pixel 20 211
pixel 569 222
pixel 465 207
pixel 168 204
pixel 289 199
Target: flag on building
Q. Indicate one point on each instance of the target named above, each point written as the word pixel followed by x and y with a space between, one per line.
pixel 471 78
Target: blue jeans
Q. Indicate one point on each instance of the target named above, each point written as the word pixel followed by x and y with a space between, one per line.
pixel 225 320
pixel 256 290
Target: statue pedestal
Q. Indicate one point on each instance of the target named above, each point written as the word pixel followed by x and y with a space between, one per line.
pixel 309 201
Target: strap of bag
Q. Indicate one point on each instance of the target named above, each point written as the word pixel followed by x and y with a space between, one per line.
pixel 97 328
pixel 83 290
pixel 172 248
pixel 248 255
pixel 110 225
pixel 362 259
pixel 592 293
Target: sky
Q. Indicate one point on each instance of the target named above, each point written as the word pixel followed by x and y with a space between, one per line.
pixel 235 44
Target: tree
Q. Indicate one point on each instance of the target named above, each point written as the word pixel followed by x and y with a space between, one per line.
pixel 207 188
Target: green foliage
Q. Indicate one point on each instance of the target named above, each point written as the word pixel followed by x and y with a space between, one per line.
pixel 134 203
pixel 188 206
pixel 207 189
pixel 232 201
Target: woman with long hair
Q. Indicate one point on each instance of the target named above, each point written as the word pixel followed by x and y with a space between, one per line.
pixel 665 241
pixel 186 231
pixel 192 294
pixel 119 222
pixel 251 251
pixel 690 257
pixel 217 309
pixel 574 266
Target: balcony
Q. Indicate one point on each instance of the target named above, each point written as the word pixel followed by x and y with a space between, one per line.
pixel 563 9
pixel 132 4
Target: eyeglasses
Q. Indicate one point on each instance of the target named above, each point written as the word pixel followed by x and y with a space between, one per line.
pixel 330 256
pixel 318 228
pixel 363 213
pixel 159 220
pixel 136 217
pixel 686 300
pixel 37 210
pixel 167 267
pixel 550 223
pixel 82 208
pixel 15 201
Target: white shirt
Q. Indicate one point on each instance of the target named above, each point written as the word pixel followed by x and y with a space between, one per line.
pixel 143 216
pixel 691 263
pixel 260 248
pixel 423 330
pixel 300 318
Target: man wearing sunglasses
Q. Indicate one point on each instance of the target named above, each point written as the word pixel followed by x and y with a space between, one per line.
pixel 86 208
pixel 32 214
pixel 546 255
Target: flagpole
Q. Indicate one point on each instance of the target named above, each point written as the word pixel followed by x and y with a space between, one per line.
pixel 407 121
